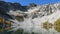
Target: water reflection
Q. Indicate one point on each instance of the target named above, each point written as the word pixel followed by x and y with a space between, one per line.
pixel 53 28
pixel 48 28
pixel 47 25
pixel 57 25
pixel 4 25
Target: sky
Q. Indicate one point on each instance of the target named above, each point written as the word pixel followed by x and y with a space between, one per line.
pixel 27 2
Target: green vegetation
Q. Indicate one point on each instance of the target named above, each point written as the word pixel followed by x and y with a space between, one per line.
pixel 57 25
pixel 18 32
pixel 47 25
pixel 20 18
pixel 4 24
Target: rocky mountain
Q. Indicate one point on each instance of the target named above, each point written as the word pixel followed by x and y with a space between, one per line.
pixel 38 19
pixel 31 18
